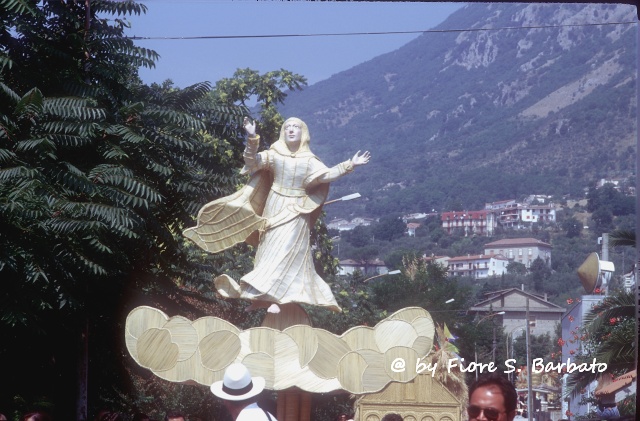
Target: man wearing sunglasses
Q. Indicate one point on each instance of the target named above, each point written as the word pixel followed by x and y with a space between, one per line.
pixel 492 398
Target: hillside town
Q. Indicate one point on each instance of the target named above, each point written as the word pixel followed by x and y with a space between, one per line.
pixel 496 256
pixel 181 241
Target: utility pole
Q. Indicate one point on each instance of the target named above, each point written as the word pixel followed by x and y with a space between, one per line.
pixel 493 351
pixel 529 397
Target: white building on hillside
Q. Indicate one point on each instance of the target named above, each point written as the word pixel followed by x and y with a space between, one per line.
pixel 521 250
pixel 506 213
pixel 478 266
pixel 344 225
pixel 371 268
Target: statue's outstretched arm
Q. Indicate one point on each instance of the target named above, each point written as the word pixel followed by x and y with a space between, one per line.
pixel 342 168
pixel 360 159
pixel 251 157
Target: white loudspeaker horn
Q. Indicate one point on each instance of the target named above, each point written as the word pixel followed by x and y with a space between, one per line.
pixel 595 273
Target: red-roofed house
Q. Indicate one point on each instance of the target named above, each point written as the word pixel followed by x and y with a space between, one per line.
pixel 479 222
pixel 618 388
pixel 505 213
pixel 411 228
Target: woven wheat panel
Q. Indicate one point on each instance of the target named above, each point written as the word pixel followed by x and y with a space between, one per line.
pixel 307 341
pixel 183 332
pixel 310 359
pixel 390 333
pixel 261 365
pixel 143 318
pixel 182 371
pixel 408 355
pixel 349 369
pixel 207 325
pixel 156 351
pixel 262 339
pixel 219 349
pixel 286 360
pixel 330 350
pixel 410 313
pixel 361 338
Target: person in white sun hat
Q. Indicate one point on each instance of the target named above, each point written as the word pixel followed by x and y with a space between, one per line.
pixel 239 393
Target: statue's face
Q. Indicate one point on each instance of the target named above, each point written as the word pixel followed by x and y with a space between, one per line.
pixel 293 131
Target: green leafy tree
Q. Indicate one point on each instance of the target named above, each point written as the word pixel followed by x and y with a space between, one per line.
pixel 603 219
pixel 326 265
pixel 389 228
pixel 516 268
pixel 608 196
pixel 268 90
pixel 365 256
pixel 572 227
pixel 539 273
pixel 423 285
pixel 354 297
pixel 481 340
pixel 98 176
pixel 360 236
pixel 540 346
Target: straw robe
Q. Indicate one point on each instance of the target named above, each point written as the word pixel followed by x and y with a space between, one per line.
pixel 276 210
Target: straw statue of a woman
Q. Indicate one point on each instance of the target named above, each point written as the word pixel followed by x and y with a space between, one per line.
pixel 275 211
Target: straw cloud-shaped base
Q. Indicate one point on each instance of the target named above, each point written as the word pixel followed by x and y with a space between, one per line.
pixel 362 360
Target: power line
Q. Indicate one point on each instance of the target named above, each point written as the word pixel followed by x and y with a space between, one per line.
pixel 336 34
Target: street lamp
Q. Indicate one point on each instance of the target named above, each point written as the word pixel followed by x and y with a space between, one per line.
pixel 344 198
pixel 511 340
pixel 393 272
pixel 494 344
pixel 489 316
pixel 529 397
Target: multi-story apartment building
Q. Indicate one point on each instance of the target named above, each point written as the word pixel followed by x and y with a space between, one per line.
pixel 505 213
pixel 478 266
pixel 518 216
pixel 521 250
pixel 470 222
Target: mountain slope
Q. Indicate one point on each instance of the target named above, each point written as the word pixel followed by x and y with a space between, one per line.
pixel 461 117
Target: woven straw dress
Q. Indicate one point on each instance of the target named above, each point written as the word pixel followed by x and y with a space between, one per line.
pixel 278 207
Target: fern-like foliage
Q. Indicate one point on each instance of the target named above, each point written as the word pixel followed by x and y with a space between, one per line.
pixel 99 175
pixel 18 6
pixel 622 238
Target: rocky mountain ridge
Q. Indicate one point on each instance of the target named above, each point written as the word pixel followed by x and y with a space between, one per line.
pixel 502 100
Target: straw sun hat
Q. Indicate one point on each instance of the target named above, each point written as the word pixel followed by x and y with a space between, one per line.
pixel 238 384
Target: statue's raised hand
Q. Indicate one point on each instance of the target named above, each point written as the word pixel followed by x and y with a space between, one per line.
pixel 360 159
pixel 249 127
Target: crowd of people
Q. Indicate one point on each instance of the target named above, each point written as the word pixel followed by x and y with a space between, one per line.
pixel 491 398
pixel 103 415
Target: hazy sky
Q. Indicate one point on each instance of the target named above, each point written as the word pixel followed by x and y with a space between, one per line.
pixel 187 61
